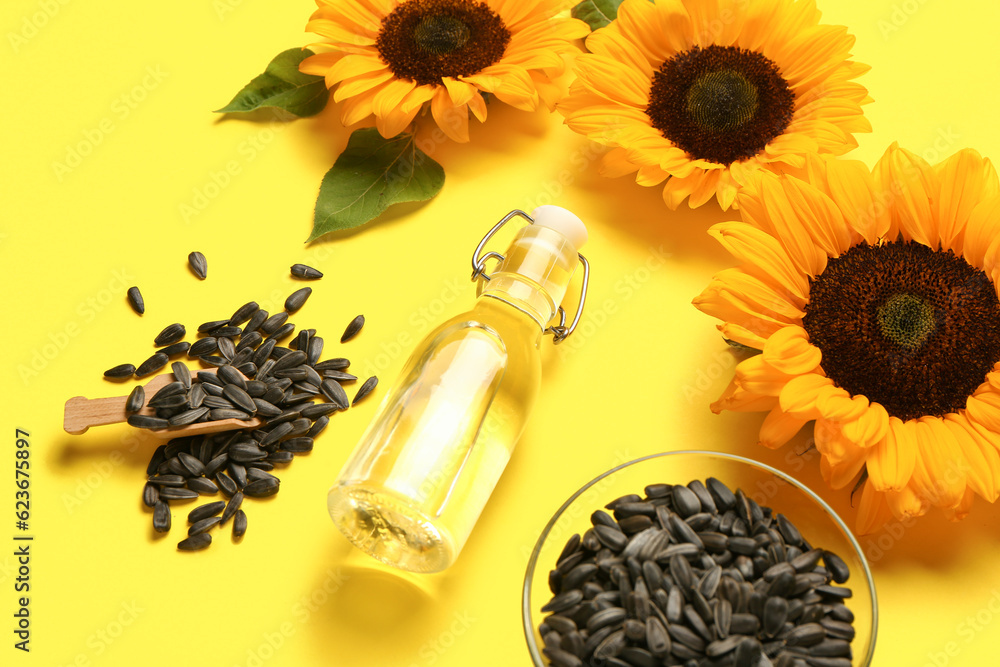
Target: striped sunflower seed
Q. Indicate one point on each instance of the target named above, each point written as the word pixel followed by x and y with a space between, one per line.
pixel 135 300
pixel 318 426
pixel 298 445
pixel 211 326
pixel 150 494
pixel 337 364
pixel 353 327
pixel 205 511
pixel 314 350
pixel 161 517
pixel 243 452
pixel 318 409
pixel 227 332
pixel 256 320
pixel 262 488
pixel 226 348
pixel 170 334
pixel 167 480
pixel 335 393
pixel 273 323
pixel 151 365
pixel 145 421
pixel 136 399
pixel 365 389
pixel 280 457
pixel 175 349
pixel 244 313
pixel 218 414
pixel 120 371
pixel 204 525
pixel 177 493
pixel 339 376
pixel 248 342
pixel 297 299
pixel 304 272
pixel 233 505
pixel 226 483
pixel 239 524
pixel 238 473
pixel 239 397
pixel 230 375
pixel 202 486
pixel 188 417
pixel 204 346
pixel 181 373
pixel 198 264
pixel 195 542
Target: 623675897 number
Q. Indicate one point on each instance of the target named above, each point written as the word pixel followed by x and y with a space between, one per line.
pixel 22 480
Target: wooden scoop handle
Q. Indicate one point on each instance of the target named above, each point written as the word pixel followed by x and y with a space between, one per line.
pixel 82 413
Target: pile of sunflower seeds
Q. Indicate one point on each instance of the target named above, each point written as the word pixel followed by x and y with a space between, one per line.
pixel 698 576
pixel 255 377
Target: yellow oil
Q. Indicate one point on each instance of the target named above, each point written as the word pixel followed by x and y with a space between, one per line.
pixel 415 486
pixel 414 489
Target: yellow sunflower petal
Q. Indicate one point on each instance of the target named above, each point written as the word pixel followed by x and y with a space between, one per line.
pixel 983 469
pixel 985 409
pixel 460 92
pixel 615 163
pixel 361 84
pixel 841 460
pixel 742 335
pixel 907 183
pixel 478 107
pixel 453 120
pixel 852 188
pixel 891 460
pixel 983 229
pixel 963 182
pixel 962 508
pixel 778 428
pixel 906 504
pixel 758 376
pixel 940 470
pixel 873 510
pixel 869 427
pixel 789 351
pixel 762 251
pixel 390 96
pixel 799 397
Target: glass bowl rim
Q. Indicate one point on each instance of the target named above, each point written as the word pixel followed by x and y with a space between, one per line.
pixel 529 630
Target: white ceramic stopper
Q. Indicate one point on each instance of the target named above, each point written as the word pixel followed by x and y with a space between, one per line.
pixel 566 223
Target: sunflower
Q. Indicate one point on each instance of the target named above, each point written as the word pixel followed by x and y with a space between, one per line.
pixel 389 57
pixel 702 93
pixel 873 298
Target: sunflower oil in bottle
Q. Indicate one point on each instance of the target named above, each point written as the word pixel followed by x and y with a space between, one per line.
pixel 412 490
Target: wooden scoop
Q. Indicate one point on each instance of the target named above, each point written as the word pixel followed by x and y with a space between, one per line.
pixel 81 413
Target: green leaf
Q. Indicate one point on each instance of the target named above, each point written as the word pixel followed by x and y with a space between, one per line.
pixel 371 175
pixel 282 85
pixel 597 13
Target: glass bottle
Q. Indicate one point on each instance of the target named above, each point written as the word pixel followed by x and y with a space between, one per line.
pixel 418 480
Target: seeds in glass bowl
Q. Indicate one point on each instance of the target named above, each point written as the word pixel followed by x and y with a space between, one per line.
pixel 696 574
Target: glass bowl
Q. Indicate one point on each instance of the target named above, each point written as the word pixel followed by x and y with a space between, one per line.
pixel 816 521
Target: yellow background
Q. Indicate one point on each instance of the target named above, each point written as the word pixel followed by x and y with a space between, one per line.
pixel 138 81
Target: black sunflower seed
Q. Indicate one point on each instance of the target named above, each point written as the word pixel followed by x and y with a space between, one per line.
pixel 262 487
pixel 135 300
pixel 161 517
pixel 203 486
pixel 335 393
pixel 365 389
pixel 145 421
pixel 318 409
pixel 226 483
pixel 120 371
pixel 195 542
pixel 203 346
pixel 318 426
pixel 136 399
pixel 170 334
pixel 305 272
pixel 282 333
pixel 244 313
pixel 204 525
pixel 353 327
pixel 233 505
pixel 205 511
pixel 212 326
pixel 177 493
pixel 298 445
pixel 175 349
pixel 150 494
pixel 198 264
pixel 188 416
pixel 226 348
pixel 297 299
pixel 339 376
pixel 337 364
pixel 151 365
pixel 239 523
pixel 273 323
pixel 239 398
pixel 238 473
pixel 230 375
pixel 256 320
pixel 315 349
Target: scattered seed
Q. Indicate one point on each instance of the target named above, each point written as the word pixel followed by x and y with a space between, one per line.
pixel 204 525
pixel 136 399
pixel 297 299
pixel 305 272
pixel 175 349
pixel 145 421
pixel 161 516
pixel 120 371
pixel 244 313
pixel 262 487
pixel 353 328
pixel 239 523
pixel 233 505
pixel 198 264
pixel 170 334
pixel 195 542
pixel 150 494
pixel 226 483
pixel 177 493
pixel 335 393
pixel 365 389
pixel 151 365
pixel 135 300
pixel 205 511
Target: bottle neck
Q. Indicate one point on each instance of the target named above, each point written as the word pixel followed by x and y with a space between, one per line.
pixel 535 273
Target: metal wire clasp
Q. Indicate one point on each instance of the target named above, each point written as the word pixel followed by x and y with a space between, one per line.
pixel 559 331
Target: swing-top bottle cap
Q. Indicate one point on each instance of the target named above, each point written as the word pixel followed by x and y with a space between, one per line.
pixel 560 220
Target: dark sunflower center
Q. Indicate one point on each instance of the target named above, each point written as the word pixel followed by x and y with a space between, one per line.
pixel 909 327
pixel 720 103
pixel 906 320
pixel 440 34
pixel 427 40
